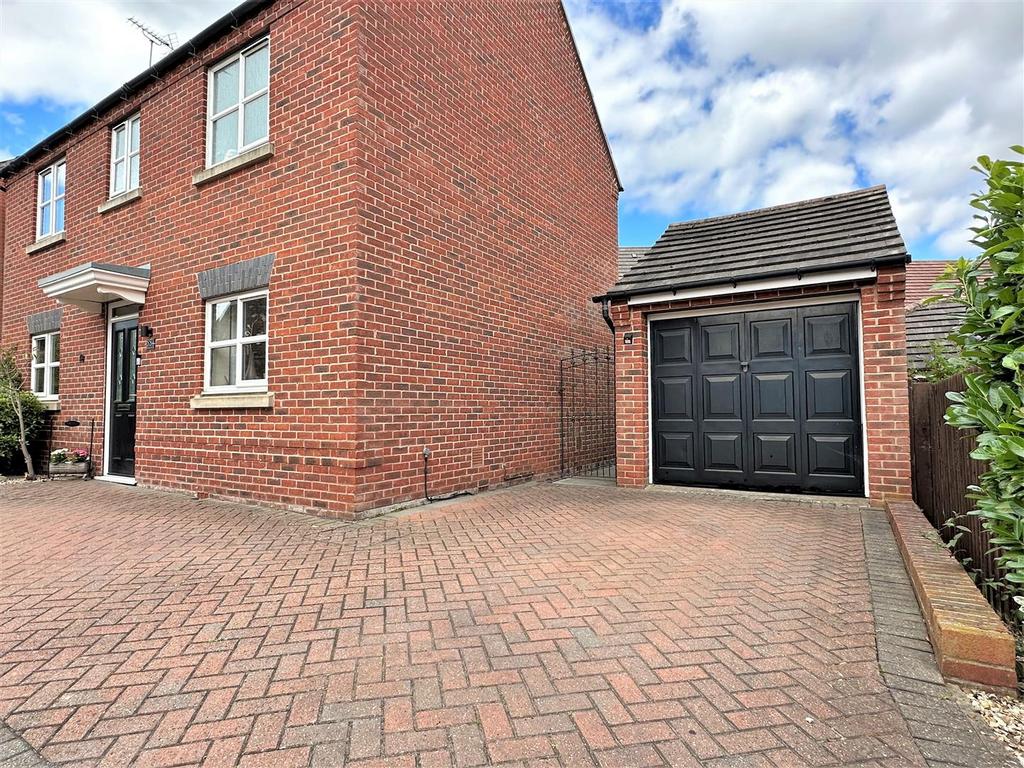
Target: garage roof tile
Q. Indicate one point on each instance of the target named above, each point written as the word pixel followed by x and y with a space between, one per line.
pixel 835 232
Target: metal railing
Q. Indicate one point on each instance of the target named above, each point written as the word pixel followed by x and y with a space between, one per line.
pixel 587 404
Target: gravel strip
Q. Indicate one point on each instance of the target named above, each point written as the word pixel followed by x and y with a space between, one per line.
pixel 1004 715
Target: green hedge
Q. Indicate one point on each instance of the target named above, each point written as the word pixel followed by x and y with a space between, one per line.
pixel 991 344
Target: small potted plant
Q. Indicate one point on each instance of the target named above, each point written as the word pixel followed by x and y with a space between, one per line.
pixel 65 462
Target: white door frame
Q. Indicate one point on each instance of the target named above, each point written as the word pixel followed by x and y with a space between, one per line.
pixel 725 309
pixel 110 320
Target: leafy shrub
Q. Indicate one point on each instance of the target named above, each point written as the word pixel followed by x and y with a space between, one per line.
pixel 991 345
pixel 940 365
pixel 34 414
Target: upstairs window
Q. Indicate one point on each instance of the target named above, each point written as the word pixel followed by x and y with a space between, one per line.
pixel 46 365
pixel 239 103
pixel 50 201
pixel 124 157
pixel 236 343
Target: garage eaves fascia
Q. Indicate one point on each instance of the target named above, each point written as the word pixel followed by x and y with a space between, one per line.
pixel 872 264
pixel 192 47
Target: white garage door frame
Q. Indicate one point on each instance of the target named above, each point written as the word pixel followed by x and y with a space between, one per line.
pixel 810 301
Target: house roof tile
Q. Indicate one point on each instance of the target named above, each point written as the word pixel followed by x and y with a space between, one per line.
pixel 921 277
pixel 928 324
pixel 628 256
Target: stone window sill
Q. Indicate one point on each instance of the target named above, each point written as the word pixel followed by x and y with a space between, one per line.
pixel 123 199
pixel 244 160
pixel 232 400
pixel 44 242
pixel 50 404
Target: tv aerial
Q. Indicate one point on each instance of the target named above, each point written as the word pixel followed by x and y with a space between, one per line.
pixel 167 41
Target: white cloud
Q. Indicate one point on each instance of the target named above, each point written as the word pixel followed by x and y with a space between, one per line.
pixel 723 106
pixel 798 177
pixel 78 52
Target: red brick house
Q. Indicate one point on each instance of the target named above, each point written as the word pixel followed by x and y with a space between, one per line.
pixel 766 350
pixel 314 241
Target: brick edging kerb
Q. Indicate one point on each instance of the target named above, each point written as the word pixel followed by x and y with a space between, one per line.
pixel 972 645
pixel 908 664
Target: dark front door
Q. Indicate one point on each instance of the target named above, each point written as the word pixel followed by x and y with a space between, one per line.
pixel 763 400
pixel 121 440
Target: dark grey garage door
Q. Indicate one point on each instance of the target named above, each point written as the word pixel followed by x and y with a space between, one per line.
pixel 767 400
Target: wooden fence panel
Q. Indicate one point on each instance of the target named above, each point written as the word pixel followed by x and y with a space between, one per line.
pixel 942 471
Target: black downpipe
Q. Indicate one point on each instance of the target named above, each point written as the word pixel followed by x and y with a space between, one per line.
pixel 606 313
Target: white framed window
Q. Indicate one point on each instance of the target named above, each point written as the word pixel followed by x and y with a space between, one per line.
pixel 50 200
pixel 238 103
pixel 124 156
pixel 46 365
pixel 236 343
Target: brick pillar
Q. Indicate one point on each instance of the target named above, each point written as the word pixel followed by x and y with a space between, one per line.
pixel 886 393
pixel 631 388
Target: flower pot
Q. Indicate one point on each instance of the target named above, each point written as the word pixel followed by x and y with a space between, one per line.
pixel 68 470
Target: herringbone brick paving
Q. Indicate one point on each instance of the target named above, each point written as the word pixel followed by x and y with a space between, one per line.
pixel 536 626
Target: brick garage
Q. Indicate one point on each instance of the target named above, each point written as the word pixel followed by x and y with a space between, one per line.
pixel 439 204
pixel 833 258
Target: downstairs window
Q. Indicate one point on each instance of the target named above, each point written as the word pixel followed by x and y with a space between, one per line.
pixel 236 343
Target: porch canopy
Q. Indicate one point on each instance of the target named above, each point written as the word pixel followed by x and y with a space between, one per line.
pixel 90 285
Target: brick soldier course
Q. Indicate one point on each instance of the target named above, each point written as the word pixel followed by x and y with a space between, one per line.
pixel 437 204
pixel 533 626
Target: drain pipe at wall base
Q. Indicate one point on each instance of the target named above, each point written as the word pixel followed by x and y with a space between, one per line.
pixel 426 472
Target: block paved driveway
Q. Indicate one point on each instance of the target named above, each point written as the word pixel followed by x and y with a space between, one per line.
pixel 544 625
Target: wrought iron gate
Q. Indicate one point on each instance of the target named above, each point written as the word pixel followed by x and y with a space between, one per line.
pixel 587 397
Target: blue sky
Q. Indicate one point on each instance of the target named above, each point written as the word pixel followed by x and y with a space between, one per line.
pixel 710 107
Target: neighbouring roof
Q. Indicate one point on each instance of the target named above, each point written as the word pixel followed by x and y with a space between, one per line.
pixel 921 277
pixel 927 324
pixel 854 229
pixel 190 48
pixel 628 256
